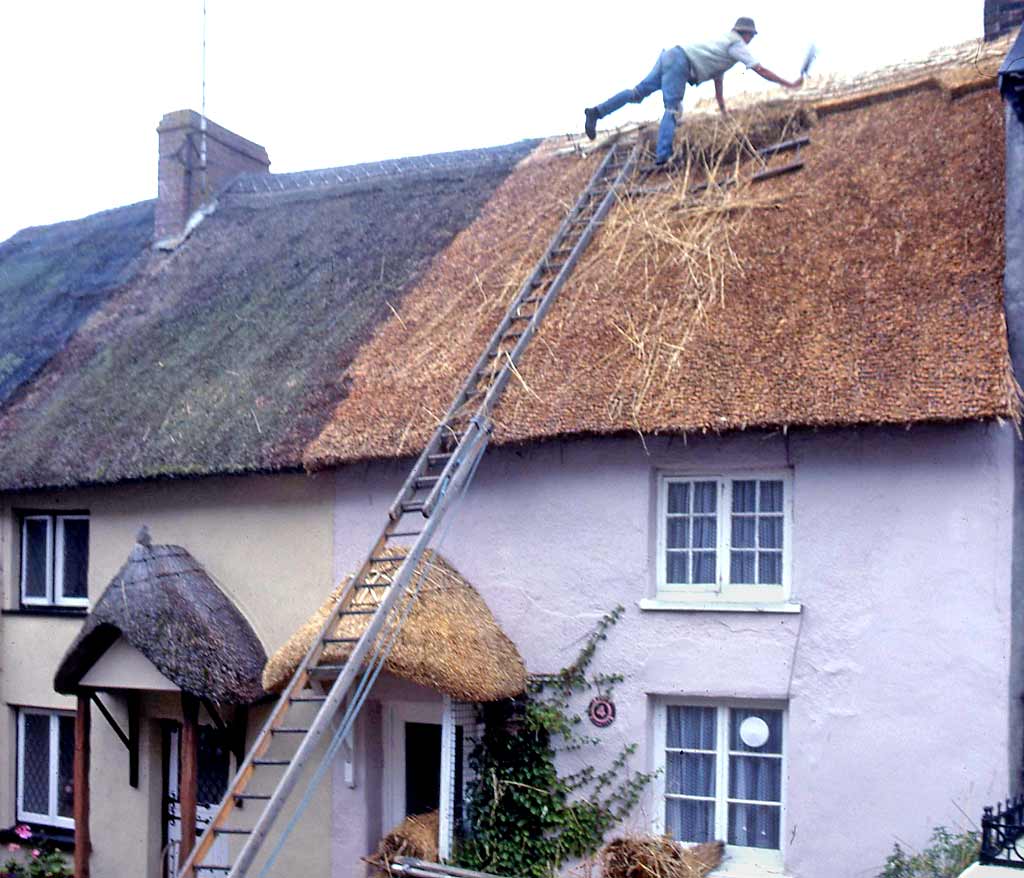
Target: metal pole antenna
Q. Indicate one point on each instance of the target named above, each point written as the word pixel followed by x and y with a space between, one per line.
pixel 202 119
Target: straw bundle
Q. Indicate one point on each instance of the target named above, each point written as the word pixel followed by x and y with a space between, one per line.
pixel 710 139
pixel 415 836
pixel 649 856
pixel 449 641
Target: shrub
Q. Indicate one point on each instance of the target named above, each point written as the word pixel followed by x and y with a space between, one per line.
pixel 946 856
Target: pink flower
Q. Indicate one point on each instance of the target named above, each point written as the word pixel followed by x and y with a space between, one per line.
pixel 22 831
pixel 12 847
pixel 35 852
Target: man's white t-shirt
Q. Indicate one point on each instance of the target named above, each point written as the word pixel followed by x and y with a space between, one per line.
pixel 713 57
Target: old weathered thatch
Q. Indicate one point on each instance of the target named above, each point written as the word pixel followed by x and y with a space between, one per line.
pixel 164 604
pixel 449 642
pixel 864 289
pixel 54 277
pixel 416 836
pixel 229 354
pixel 650 856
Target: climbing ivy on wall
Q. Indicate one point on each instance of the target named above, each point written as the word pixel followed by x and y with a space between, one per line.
pixel 526 818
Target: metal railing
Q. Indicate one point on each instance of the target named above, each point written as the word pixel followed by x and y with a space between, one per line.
pixel 1002 834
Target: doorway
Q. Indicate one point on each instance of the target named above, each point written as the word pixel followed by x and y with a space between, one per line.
pixel 214 772
pixel 413 759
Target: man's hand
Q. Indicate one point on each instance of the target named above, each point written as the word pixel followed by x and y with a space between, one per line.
pixel 720 96
pixel 765 73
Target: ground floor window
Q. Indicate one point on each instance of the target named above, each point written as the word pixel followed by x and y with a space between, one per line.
pixel 45 770
pixel 723 775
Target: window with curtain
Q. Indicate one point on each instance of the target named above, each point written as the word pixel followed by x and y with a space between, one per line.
pixel 45 766
pixel 724 536
pixel 723 770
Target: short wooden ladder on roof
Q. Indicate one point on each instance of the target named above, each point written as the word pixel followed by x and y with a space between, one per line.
pixel 302 717
pixel 767 172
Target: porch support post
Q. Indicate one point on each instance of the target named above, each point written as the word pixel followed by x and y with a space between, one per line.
pixel 447 796
pixel 188 786
pixel 80 780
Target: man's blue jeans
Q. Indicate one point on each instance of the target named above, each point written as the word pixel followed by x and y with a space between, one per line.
pixel 669 74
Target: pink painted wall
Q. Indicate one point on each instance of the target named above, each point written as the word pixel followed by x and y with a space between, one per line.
pixel 896 673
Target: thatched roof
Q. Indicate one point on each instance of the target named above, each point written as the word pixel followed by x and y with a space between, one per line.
pixel 449 642
pixel 327 317
pixel 163 603
pixel 229 354
pixel 866 289
pixel 52 278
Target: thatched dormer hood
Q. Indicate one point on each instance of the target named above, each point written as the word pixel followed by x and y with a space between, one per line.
pixel 165 605
pixel 450 642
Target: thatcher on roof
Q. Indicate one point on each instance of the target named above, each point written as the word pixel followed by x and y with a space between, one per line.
pixel 450 641
pixel 164 604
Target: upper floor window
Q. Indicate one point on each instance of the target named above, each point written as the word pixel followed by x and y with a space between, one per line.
pixel 54 559
pixel 46 751
pixel 723 777
pixel 724 536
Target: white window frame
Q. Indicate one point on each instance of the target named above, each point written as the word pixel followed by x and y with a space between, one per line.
pixel 52 818
pixel 722 589
pixel 54 572
pixel 755 858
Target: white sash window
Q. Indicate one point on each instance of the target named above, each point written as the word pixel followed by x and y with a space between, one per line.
pixel 723 777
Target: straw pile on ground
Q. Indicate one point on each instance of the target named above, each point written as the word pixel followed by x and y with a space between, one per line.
pixel 414 837
pixel 449 641
pixel 649 856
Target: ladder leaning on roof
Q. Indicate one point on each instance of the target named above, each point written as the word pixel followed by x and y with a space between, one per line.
pixel 441 471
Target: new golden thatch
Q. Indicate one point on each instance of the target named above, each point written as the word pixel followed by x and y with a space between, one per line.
pixel 415 836
pixel 650 856
pixel 851 292
pixel 449 642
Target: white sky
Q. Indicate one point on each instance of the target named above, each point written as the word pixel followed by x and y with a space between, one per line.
pixel 331 83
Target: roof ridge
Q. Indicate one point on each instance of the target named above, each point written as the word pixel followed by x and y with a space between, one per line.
pixel 319 178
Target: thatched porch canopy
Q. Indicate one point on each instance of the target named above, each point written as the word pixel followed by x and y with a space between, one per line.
pixel 449 642
pixel 165 605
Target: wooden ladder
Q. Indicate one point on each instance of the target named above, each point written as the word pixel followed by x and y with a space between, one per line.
pixel 303 714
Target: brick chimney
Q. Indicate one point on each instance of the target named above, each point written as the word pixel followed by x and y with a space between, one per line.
pixel 180 178
pixel 1002 16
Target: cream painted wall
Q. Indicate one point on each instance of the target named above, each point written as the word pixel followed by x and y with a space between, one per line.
pixel 265 540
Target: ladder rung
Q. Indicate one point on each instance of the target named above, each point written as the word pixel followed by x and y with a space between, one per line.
pixel 220 831
pixel 253 797
pixel 288 731
pixel 384 559
pixel 326 669
pixel 369 612
pixel 405 533
pixel 303 699
pixel 434 459
pixel 212 868
pixel 512 335
pixel 367 586
pixel 412 507
pixel 271 762
pixel 340 640
pixel 520 317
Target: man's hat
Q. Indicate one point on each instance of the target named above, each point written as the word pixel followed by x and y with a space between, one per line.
pixel 745 25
